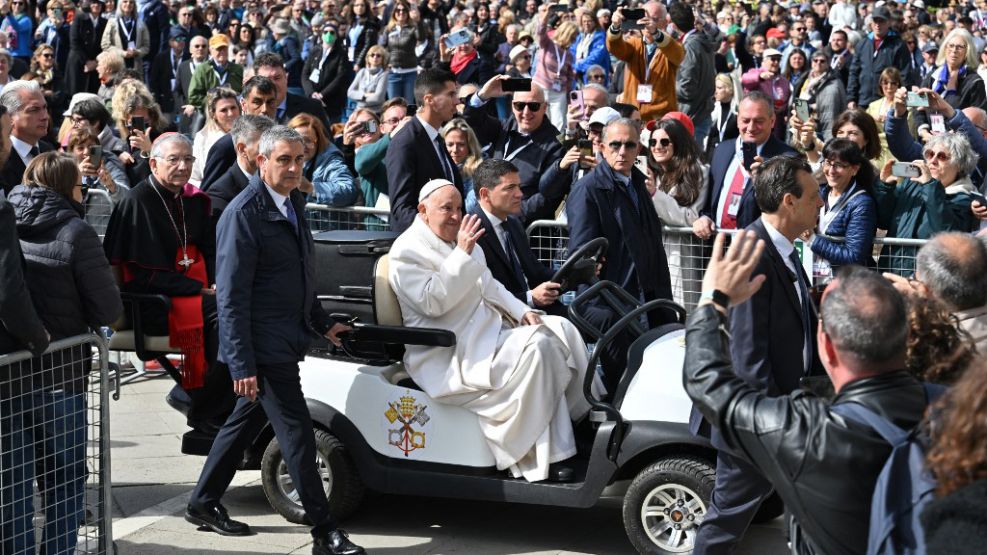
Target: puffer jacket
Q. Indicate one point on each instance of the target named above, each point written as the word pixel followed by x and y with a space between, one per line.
pixel 855 223
pixel 67 273
pixel 823 465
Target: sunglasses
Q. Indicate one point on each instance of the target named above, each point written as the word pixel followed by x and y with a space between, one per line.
pixel 47 56
pixel 932 155
pixel 531 106
pixel 665 143
pixel 615 145
pixel 400 10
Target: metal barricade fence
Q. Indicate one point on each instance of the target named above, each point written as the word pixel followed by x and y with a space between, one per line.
pixel 55 450
pixel 326 218
pixel 98 210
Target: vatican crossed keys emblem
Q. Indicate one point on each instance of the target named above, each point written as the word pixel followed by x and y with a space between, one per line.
pixel 408 413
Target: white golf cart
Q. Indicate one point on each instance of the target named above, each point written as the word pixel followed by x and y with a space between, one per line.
pixel 376 429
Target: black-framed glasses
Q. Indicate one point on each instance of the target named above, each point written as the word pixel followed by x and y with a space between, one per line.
pixel 615 145
pixel 47 55
pixel 531 106
pixel 665 143
pixel 839 166
pixel 400 10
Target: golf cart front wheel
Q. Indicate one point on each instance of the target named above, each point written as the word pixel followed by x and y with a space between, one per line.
pixel 340 481
pixel 666 503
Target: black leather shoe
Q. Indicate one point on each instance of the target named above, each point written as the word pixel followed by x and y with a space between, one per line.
pixel 558 472
pixel 336 542
pixel 216 519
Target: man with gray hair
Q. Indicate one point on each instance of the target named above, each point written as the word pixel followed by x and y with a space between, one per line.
pixel 28 110
pixel 952 267
pixel 246 134
pixel 612 201
pixel 162 239
pixel 265 274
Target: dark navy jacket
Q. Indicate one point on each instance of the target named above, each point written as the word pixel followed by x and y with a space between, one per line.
pixel 265 283
pixel 856 223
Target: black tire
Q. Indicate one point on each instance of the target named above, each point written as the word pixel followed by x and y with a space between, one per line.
pixel 344 490
pixel 683 486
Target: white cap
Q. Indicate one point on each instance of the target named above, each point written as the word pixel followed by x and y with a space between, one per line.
pixel 432 186
pixel 77 98
pixel 604 115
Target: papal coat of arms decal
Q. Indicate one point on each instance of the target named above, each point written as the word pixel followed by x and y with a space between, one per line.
pixel 409 415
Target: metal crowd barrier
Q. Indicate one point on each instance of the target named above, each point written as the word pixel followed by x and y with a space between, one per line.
pixel 687 254
pixel 55 450
pixel 98 210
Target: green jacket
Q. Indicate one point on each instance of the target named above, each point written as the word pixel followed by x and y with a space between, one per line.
pixel 915 210
pixel 204 79
pixel 369 163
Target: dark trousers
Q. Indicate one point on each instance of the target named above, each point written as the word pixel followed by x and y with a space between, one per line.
pixel 739 491
pixel 279 400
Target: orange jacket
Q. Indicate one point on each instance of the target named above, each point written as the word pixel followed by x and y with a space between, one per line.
pixel 662 76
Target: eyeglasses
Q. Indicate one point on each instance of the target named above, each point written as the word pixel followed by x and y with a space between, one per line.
pixel 956 46
pixel 665 143
pixel 199 46
pixel 833 164
pixel 931 155
pixel 615 145
pixel 47 55
pixel 177 160
pixel 531 106
pixel 79 120
pixel 820 61
pixel 597 77
pixel 392 121
pixel 400 10
pixel 374 55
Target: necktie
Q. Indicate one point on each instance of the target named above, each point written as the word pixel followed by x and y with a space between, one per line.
pixel 281 114
pixel 34 152
pixel 512 254
pixel 803 291
pixel 446 168
pixel 736 188
pixel 290 214
pixel 632 192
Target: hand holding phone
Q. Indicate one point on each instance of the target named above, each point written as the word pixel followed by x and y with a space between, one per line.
pixel 631 18
pixel 802 109
pixel 904 169
pixel 917 100
pixel 137 122
pixel 96 155
pixel 750 152
pixel 515 85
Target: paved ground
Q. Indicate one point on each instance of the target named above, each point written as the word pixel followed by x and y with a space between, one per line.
pixel 152 480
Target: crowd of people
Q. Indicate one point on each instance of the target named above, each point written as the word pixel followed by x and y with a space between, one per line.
pixel 827 122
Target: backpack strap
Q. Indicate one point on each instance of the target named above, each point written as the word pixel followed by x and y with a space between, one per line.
pixel 863 415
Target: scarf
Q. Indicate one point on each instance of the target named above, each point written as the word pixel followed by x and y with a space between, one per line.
pixel 942 80
pixel 460 62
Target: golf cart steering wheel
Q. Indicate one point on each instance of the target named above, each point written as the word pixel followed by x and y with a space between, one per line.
pixel 580 268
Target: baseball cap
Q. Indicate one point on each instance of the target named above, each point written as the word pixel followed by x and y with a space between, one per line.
pixel 604 115
pixel 930 46
pixel 218 41
pixel 177 33
pixel 881 12
pixel 770 52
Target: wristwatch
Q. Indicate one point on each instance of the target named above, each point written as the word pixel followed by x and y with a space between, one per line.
pixel 718 297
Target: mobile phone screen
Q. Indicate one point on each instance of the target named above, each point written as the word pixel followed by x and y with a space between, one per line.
pixel 516 85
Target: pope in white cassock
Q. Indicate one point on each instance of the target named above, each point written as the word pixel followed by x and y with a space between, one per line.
pixel 521 372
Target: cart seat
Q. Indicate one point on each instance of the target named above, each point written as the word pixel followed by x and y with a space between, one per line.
pixel 387 311
pixel 124 340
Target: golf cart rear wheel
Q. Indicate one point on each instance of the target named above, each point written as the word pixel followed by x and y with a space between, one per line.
pixel 340 481
pixel 665 504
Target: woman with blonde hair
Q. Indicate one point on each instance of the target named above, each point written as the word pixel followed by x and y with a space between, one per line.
pixel 222 109
pixel 464 149
pixel 372 84
pixel 555 67
pixel 133 104
pixel 327 178
pixel 109 66
pixel 49 76
pixel 127 32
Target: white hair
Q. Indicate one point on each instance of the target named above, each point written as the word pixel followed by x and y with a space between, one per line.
pixel 276 134
pixel 12 99
pixel 157 149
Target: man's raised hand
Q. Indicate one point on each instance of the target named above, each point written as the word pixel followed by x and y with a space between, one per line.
pixel 470 230
pixel 730 272
pixel 492 88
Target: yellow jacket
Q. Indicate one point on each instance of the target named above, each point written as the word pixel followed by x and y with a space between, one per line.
pixel 661 77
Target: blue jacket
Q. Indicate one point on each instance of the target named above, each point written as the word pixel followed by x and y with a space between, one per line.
pixel 600 206
pixel 856 223
pixel 598 55
pixel 265 283
pixel 333 182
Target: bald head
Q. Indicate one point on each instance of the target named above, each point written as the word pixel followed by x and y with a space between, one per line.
pixel 978 117
pixel 954 268
pixel 442 211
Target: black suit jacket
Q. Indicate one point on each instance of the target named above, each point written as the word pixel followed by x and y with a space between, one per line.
pixel 160 81
pixel 225 189
pixel 722 157
pixel 183 84
pixel 534 272
pixel 221 158
pixel 411 161
pixel 334 78
pixel 13 171
pixel 768 334
pixel 295 104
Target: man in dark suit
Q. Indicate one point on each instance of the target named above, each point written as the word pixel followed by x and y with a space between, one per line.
pixel 163 79
pixel 332 71
pixel 611 201
pixel 259 98
pixel 773 340
pixel 528 140
pixel 504 244
pixel 246 133
pixel 268 309
pixel 417 153
pixel 190 119
pixel 271 65
pixel 731 204
pixel 28 111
